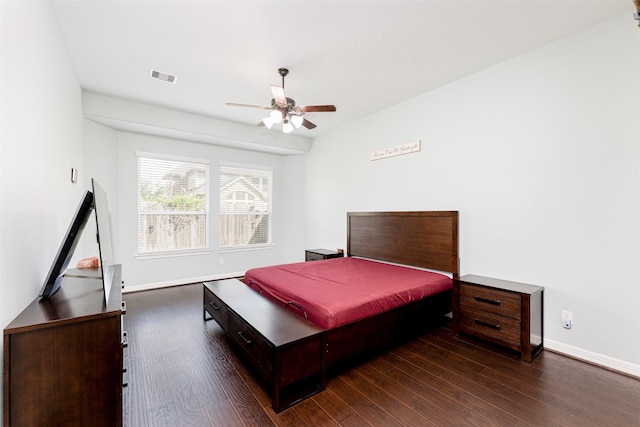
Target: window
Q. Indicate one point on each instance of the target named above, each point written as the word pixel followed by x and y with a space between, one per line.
pixel 173 204
pixel 245 206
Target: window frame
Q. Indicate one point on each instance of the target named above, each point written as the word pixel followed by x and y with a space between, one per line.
pixel 262 172
pixel 206 163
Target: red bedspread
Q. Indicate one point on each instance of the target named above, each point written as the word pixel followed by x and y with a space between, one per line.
pixel 336 291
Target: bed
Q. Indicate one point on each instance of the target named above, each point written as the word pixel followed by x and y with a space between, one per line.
pixel 375 240
pixel 338 291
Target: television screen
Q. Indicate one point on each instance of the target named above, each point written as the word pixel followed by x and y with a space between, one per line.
pixel 69 243
pixel 103 224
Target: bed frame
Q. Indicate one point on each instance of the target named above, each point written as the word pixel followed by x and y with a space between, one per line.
pixel 420 239
pixel 275 342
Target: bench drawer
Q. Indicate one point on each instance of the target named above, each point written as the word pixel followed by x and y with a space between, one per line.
pixel 255 347
pixel 216 308
pixel 284 349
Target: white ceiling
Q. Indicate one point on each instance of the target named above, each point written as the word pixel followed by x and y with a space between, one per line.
pixel 361 56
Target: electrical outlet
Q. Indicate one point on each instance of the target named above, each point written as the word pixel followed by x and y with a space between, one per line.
pixel 567 319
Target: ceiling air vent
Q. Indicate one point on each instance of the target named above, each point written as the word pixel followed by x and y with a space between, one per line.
pixel 163 77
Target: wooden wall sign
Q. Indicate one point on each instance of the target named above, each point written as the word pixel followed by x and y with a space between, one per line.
pixel 398 150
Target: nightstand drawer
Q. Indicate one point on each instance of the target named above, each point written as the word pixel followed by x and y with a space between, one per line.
pixel 503 312
pixel 313 256
pixel 493 300
pixel 491 325
pixel 216 308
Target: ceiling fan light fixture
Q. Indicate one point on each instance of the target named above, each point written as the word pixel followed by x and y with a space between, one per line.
pixel 287 127
pixel 276 116
pixel 268 122
pixel 296 121
pixel 284 110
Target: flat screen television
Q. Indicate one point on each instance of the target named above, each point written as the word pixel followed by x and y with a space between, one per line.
pixel 68 246
pixel 95 201
pixel 103 225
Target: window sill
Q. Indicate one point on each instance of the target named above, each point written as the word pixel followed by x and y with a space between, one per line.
pixel 245 248
pixel 173 254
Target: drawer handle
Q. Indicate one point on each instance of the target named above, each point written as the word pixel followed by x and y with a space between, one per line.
pixel 487 301
pixel 215 307
pixel 248 341
pixel 488 325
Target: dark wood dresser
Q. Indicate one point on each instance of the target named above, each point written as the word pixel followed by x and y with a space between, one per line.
pixel 274 341
pixel 317 254
pixel 503 312
pixel 63 358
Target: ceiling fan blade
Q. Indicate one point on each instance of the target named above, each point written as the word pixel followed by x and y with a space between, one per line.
pixel 234 104
pixel 278 95
pixel 318 108
pixel 306 123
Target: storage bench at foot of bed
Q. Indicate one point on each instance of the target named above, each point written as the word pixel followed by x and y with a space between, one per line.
pixel 283 348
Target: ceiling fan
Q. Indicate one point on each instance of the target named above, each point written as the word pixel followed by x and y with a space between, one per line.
pixel 284 110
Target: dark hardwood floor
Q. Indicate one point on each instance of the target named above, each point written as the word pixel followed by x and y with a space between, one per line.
pixel 182 371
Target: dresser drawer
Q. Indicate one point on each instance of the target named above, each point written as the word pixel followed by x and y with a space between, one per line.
pixel 216 308
pixel 496 327
pixel 256 348
pixel 495 301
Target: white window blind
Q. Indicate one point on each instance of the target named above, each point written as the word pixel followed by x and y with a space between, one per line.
pixel 245 206
pixel 173 204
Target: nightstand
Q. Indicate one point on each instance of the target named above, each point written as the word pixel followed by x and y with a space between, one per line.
pixel 503 312
pixel 316 254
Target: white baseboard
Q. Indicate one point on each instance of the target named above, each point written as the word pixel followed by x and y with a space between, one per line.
pixel 170 283
pixel 594 358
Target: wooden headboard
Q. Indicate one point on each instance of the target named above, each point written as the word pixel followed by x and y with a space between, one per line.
pixel 423 239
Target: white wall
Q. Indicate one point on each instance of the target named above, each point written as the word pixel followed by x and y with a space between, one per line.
pixel 292 209
pixel 101 162
pixel 40 141
pixel 541 156
pixel 117 167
